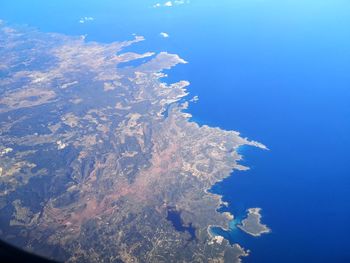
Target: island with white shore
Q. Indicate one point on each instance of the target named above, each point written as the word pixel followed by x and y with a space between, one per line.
pixel 252 223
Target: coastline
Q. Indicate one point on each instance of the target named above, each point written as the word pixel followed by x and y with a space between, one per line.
pixel 240 224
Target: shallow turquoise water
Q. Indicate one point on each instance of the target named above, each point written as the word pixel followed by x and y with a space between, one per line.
pixel 278 71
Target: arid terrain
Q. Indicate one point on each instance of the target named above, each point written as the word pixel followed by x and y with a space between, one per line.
pixel 94 155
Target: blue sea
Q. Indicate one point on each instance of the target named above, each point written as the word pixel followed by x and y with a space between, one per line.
pixel 278 71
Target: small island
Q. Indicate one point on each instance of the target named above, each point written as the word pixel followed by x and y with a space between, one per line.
pixel 252 224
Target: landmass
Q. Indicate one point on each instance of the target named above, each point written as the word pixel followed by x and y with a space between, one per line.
pixel 95 158
pixel 252 224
